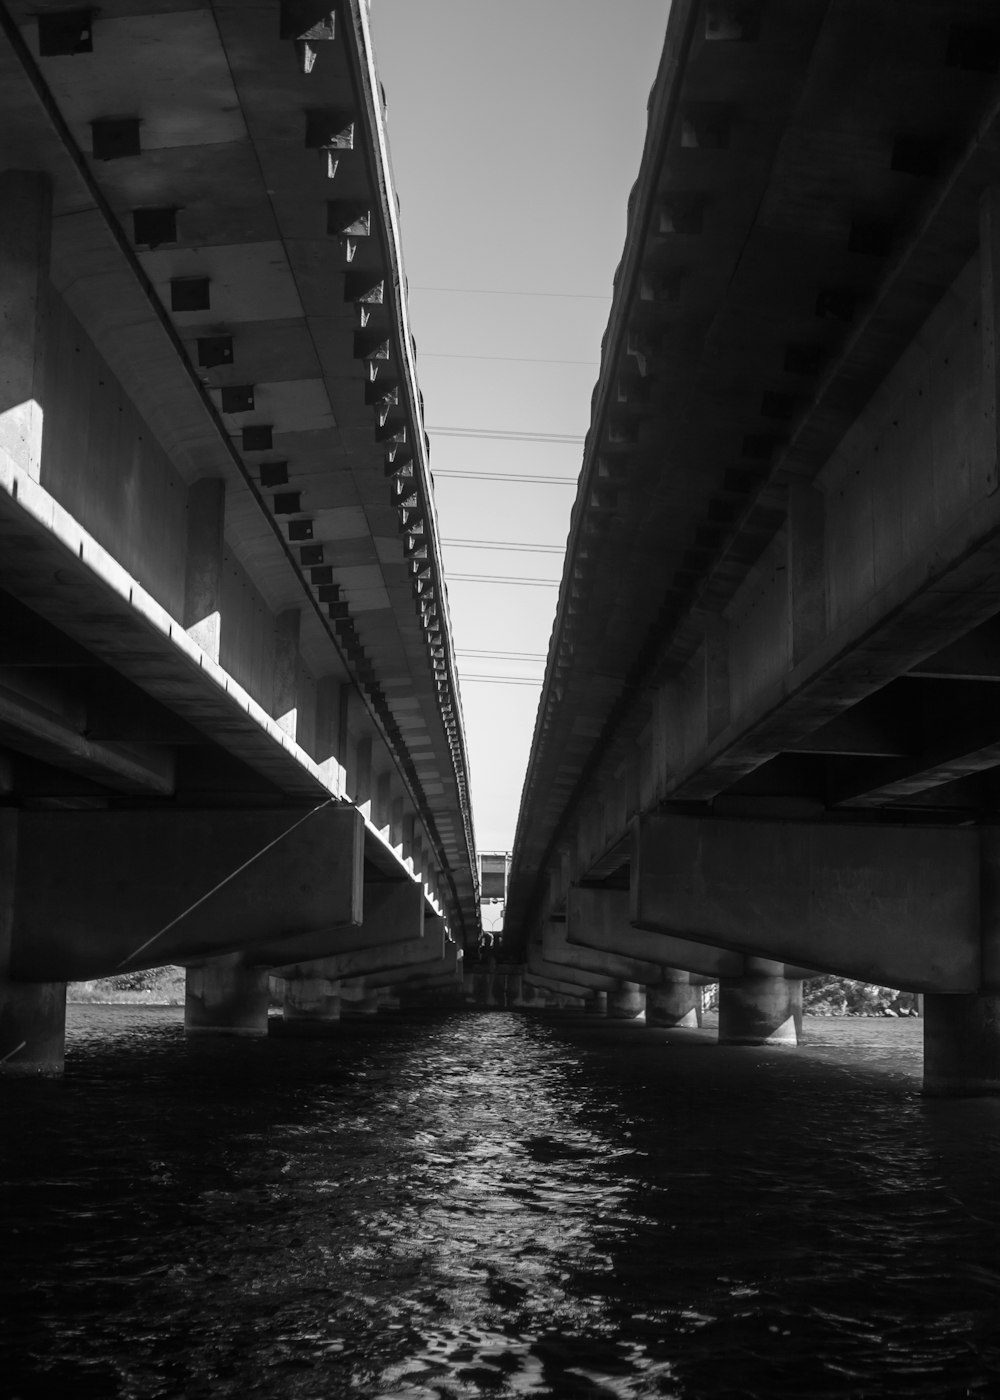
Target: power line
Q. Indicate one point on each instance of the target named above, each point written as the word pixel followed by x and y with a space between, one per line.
pixel 504 578
pixel 509 476
pixel 510 545
pixel 505 359
pixel 501 655
pixel 504 435
pixel 500 680
pixel 501 292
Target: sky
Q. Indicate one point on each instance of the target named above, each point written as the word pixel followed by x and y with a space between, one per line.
pixel 515 132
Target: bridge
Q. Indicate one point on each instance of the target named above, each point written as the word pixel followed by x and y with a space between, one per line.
pixel 769 734
pixel 230 729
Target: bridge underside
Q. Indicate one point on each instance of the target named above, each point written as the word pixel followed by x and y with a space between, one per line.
pixel 229 719
pixel 769 727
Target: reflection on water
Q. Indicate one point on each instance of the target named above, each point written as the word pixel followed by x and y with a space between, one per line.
pixel 494 1205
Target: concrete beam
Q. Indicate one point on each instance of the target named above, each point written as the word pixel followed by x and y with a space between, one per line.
pixel 888 904
pixel 399 955
pixel 100 892
pixel 600 919
pixel 391 913
pixel 578 977
pixel 555 985
pixel 557 949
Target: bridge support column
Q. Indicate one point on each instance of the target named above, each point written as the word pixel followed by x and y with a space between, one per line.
pixel 32 1027
pixel 626 1002
pixel 597 1005
pixel 763 1007
pixel 388 999
pixel 358 999
pixel 674 1002
pixel 309 1005
pixel 222 997
pixel 961 1045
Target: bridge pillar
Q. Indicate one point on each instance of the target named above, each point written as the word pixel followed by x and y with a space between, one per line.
pixel 597 1005
pixel 309 1004
pixel 626 1001
pixel 388 999
pixel 357 998
pixel 962 1030
pixel 961 1045
pixel 763 1007
pixel 674 1002
pixel 32 1027
pixel 222 997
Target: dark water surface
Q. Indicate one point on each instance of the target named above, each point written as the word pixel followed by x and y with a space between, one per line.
pixel 495 1205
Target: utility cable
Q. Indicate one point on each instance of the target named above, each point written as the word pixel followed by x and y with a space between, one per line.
pixel 505 359
pixel 509 476
pixel 502 434
pixel 504 578
pixel 501 680
pixel 511 545
pixel 501 292
pixel 502 655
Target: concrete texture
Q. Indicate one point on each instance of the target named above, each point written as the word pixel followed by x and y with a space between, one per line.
pixel 222 997
pixel 168 880
pixel 215 504
pixel 777 644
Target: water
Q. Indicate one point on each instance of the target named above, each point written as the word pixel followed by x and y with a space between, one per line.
pixel 493 1205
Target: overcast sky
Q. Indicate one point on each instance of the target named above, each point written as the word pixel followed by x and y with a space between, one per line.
pixel 515 131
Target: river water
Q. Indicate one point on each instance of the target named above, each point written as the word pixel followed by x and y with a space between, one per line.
pixel 495 1205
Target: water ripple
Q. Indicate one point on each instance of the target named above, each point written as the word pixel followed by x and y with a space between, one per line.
pixel 487 1205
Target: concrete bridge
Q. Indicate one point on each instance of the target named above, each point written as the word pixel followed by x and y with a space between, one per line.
pixel 769 734
pixel 230 731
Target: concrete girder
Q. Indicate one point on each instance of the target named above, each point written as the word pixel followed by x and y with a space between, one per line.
pixel 558 986
pixel 853 369
pixel 190 328
pixel 888 904
pixel 102 892
pixel 581 978
pixel 379 952
pixel 391 916
pixel 600 919
pixel 558 949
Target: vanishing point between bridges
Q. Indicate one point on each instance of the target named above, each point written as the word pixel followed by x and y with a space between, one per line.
pixel 768 735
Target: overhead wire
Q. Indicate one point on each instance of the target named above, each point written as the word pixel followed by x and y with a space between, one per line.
pixel 501 655
pixel 503 292
pixel 507 476
pixel 501 680
pixel 511 545
pixel 502 434
pixel 505 359
pixel 504 578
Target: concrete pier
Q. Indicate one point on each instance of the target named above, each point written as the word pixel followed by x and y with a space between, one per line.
pixel 32 1027
pixel 675 1002
pixel 222 997
pixel 763 1007
pixel 357 998
pixel 309 1005
pixel 626 1002
pixel 961 1045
